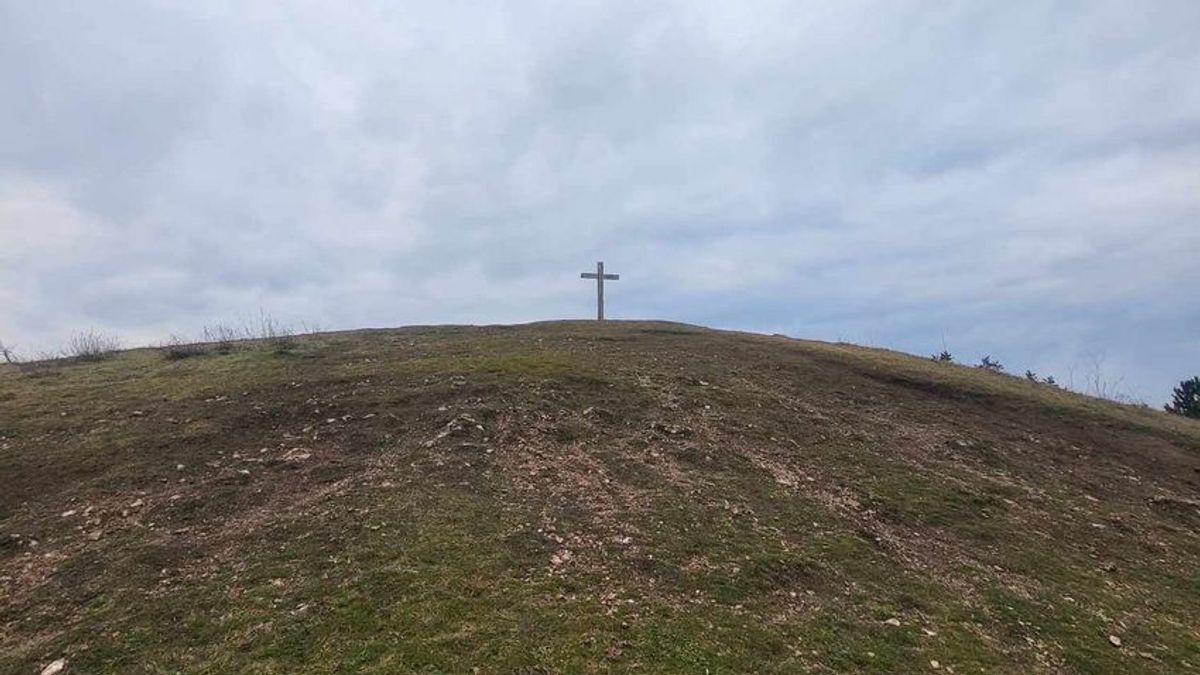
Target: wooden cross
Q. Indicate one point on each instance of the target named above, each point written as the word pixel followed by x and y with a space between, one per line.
pixel 600 276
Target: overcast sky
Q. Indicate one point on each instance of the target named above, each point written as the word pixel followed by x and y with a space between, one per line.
pixel 1019 179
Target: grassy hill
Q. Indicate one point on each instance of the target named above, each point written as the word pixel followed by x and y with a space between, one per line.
pixel 582 497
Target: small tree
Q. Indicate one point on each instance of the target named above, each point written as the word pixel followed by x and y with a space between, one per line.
pixel 1186 399
pixel 7 354
pixel 943 357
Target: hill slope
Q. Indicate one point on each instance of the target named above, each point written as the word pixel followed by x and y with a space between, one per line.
pixel 586 497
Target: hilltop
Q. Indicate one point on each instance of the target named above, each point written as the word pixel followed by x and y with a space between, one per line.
pixel 586 497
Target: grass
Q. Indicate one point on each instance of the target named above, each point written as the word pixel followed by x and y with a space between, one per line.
pixel 574 497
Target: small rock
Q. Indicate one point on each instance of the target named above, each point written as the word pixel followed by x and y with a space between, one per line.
pixel 244 472
pixel 136 503
pixel 179 467
pixel 68 514
pixel 137 413
pixel 893 621
pixel 934 664
pixel 55 667
pixel 1114 640
pixel 95 535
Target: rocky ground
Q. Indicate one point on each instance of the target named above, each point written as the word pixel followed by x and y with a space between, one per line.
pixel 585 497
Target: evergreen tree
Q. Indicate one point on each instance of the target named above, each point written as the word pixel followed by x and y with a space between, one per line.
pixel 1186 399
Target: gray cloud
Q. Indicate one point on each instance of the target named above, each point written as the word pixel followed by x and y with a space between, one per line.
pixel 1018 178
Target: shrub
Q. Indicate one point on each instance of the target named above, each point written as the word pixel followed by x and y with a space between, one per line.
pixel 177 348
pixel 943 357
pixel 1033 377
pixel 282 343
pixel 1185 400
pixel 8 354
pixel 986 363
pixel 92 346
pixel 280 336
pixel 221 337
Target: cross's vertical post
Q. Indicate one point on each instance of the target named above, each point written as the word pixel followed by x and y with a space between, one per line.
pixel 600 291
pixel 600 278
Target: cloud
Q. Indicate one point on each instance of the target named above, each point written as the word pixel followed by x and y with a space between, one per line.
pixel 1019 178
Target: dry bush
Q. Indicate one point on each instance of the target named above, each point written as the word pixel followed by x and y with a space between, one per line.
pixel 266 328
pixel 176 348
pixel 8 355
pixel 1098 382
pixel 280 336
pixel 92 346
pixel 222 337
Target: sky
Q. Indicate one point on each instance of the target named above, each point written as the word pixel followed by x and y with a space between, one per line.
pixel 1017 179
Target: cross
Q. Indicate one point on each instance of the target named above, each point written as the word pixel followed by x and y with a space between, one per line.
pixel 599 276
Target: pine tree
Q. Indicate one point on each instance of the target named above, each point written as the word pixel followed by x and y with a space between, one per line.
pixel 1186 399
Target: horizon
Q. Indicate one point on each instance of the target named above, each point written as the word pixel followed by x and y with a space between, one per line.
pixel 1092 380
